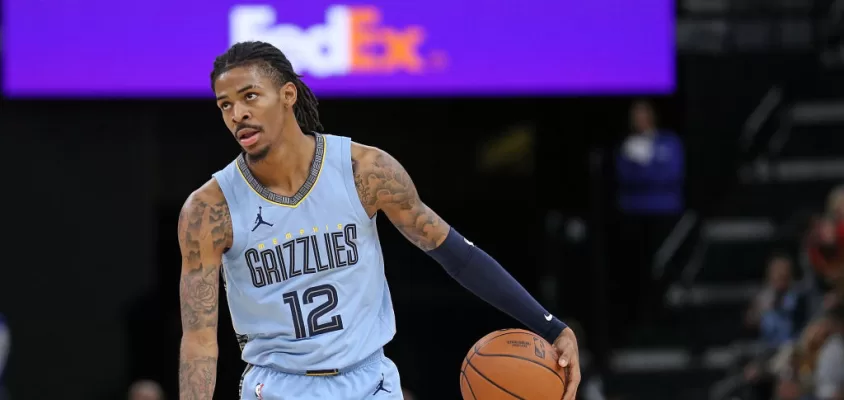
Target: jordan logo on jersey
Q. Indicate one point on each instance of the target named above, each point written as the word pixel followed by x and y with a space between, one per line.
pixel 381 386
pixel 260 220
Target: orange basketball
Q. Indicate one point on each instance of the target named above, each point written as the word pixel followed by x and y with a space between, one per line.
pixel 512 364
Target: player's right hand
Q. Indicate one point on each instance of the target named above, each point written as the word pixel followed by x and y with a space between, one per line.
pixel 566 345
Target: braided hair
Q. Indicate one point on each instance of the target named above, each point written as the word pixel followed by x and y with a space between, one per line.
pixel 276 65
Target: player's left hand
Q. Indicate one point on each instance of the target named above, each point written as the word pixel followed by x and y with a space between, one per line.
pixel 566 345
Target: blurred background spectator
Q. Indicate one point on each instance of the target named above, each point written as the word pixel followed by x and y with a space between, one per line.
pixel 145 390
pixel 651 172
pixel 776 315
pixel 828 371
pixel 779 311
pixel 825 243
pixel 650 167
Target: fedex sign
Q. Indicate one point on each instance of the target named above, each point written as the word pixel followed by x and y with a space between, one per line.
pixel 351 41
pixel 346 48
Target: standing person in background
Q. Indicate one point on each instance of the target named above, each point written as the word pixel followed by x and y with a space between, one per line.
pixel 650 172
pixel 835 207
pixel 835 203
pixel 829 366
pixel 825 247
pixel 777 314
pixel 650 167
pixel 779 311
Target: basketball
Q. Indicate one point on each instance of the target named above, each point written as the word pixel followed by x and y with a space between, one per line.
pixel 512 363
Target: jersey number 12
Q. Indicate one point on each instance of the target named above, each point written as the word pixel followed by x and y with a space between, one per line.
pixel 308 297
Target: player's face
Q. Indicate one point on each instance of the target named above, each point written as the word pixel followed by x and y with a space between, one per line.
pixel 254 108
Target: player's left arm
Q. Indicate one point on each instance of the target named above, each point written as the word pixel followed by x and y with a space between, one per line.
pixel 383 184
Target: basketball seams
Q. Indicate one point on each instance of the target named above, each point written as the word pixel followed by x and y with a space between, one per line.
pixel 468 384
pixel 491 381
pixel 563 382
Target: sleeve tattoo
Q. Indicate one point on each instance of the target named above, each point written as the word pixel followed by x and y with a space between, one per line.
pixel 383 184
pixel 204 232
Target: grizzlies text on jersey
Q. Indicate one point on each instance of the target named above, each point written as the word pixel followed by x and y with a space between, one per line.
pixel 305 276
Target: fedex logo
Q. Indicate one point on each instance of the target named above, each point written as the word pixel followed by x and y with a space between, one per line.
pixel 352 40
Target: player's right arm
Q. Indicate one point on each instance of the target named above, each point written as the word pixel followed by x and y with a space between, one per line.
pixel 204 234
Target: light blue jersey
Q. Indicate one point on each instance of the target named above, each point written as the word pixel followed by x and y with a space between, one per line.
pixel 305 274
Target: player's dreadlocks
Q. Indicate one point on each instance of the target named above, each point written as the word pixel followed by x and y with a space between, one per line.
pixel 278 67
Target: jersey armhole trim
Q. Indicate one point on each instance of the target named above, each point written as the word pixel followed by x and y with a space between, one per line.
pixel 349 180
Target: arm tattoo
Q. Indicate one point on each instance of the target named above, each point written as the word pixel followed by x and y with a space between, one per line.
pixel 383 184
pixel 198 290
pixel 204 233
pixel 197 377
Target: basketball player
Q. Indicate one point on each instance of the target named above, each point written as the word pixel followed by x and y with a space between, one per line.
pixel 290 225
